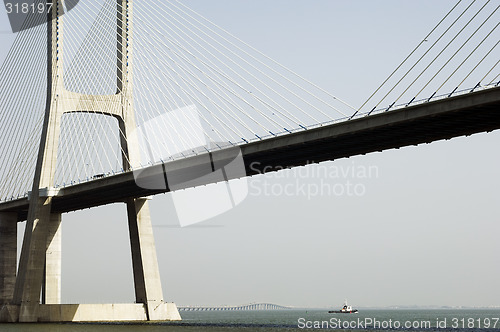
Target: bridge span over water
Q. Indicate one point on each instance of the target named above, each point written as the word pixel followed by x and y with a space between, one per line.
pixel 246 307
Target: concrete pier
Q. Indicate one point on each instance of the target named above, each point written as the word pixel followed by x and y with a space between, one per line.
pixel 32 263
pixel 148 289
pixel 8 256
pixel 51 287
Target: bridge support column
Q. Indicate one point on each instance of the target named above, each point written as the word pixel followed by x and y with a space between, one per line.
pixel 147 281
pixel 51 288
pixel 32 263
pixel 8 256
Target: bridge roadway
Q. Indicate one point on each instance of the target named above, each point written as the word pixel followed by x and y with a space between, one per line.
pixel 422 123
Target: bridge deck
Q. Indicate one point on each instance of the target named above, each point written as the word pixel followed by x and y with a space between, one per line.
pixel 424 123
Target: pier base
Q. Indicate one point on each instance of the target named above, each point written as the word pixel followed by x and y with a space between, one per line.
pixel 44 274
pixel 59 313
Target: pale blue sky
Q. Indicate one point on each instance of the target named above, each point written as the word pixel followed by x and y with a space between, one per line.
pixel 425 231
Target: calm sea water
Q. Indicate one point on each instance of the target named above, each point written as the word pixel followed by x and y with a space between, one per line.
pixel 296 320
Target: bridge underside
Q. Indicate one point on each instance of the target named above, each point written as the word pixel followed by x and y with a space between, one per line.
pixel 424 123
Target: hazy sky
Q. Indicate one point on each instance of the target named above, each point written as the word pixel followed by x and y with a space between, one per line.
pixel 423 227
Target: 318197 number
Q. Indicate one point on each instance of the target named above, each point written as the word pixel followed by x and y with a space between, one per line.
pixel 471 323
pixel 26 8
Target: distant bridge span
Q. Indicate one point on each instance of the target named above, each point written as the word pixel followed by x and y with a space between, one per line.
pixel 461 115
pixel 247 307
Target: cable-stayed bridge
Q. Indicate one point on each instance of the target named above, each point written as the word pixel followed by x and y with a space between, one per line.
pixel 115 101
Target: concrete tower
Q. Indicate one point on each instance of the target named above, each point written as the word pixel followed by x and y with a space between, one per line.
pixel 35 293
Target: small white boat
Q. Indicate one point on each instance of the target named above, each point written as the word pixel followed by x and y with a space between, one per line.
pixel 346 309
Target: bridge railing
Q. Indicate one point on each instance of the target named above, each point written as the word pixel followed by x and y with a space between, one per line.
pixel 430 99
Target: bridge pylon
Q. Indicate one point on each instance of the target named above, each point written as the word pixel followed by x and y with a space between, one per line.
pixel 34 294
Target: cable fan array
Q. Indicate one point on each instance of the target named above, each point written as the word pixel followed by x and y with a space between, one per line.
pixel 22 104
pixel 458 55
pixel 196 87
